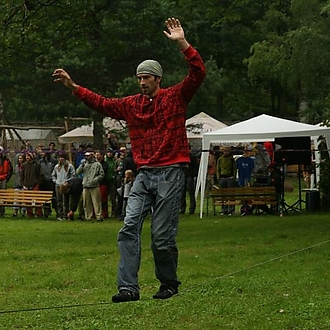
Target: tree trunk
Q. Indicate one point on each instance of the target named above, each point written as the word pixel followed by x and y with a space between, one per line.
pixel 98 131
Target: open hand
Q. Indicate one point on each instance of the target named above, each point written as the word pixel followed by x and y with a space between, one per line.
pixel 175 30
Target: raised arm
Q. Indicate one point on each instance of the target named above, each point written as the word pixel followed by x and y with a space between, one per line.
pixel 176 33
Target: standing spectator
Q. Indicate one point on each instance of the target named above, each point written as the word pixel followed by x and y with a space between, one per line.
pixel 47 164
pixel 113 141
pixel 129 163
pixel 103 184
pixel 53 151
pixel 120 163
pixel 28 145
pixel 261 162
pixel 120 179
pixel 21 151
pixel 276 178
pixel 62 172
pixel 80 155
pixel 93 174
pixel 111 180
pixel 6 169
pixel 31 177
pixel 156 121
pixel 17 183
pixel 128 183
pixel 211 170
pixel 245 166
pixel 269 146
pixel 38 151
pixel 191 173
pixel 226 173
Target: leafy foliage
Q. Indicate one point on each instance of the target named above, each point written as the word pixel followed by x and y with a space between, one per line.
pixel 262 57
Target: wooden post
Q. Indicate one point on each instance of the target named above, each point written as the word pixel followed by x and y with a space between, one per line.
pixel 68 145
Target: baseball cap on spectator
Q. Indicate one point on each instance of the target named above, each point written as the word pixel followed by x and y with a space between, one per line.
pixel 89 151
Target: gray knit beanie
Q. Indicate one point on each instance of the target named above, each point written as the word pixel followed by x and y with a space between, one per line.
pixel 150 67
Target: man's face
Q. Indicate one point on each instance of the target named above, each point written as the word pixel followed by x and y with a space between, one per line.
pixel 89 156
pixel 122 152
pixel 99 157
pixel 149 84
pixel 226 151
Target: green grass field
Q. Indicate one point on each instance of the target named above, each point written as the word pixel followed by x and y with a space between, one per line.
pixel 255 272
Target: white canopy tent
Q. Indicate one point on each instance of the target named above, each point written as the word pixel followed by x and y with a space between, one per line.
pixel 202 123
pixel 82 134
pixel 258 129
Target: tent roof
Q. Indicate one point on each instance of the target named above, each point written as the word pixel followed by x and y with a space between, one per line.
pixel 263 128
pixel 202 123
pixel 82 134
pixel 31 134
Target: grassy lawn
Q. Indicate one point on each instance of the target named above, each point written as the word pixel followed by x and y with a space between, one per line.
pixel 255 272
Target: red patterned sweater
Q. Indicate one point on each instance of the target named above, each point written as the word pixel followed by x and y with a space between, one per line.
pixel 156 127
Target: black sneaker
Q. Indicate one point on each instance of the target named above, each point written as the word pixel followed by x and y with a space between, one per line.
pixel 125 295
pixel 165 292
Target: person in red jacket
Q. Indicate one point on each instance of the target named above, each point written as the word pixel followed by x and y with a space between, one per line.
pixel 6 171
pixel 156 121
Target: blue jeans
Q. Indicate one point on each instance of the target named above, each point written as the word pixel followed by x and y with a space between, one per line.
pixel 159 190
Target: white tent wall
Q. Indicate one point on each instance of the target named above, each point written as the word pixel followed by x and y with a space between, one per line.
pixel 258 129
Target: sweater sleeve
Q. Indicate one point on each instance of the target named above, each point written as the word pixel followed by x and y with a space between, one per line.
pixel 111 107
pixel 196 75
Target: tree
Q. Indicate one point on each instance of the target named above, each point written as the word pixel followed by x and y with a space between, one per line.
pixel 292 60
pixel 261 57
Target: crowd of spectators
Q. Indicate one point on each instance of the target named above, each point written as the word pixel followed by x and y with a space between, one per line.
pixel 95 184
pixel 91 185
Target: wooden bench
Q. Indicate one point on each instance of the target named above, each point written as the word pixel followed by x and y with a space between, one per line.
pixel 254 196
pixel 25 198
